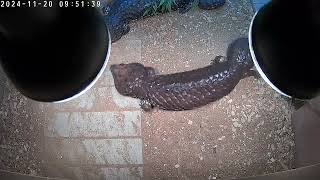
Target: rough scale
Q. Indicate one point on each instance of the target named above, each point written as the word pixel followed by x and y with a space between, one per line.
pixel 185 90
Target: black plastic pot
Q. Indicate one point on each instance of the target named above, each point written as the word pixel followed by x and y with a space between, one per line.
pixel 284 41
pixel 53 54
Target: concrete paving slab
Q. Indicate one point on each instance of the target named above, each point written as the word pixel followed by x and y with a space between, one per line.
pixel 100 128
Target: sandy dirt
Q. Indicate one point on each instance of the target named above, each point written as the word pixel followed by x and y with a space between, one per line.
pixel 21 132
pixel 246 133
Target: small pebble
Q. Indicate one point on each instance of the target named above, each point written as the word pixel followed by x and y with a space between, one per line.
pixel 272 147
pixel 221 138
pixel 236 124
pixel 272 160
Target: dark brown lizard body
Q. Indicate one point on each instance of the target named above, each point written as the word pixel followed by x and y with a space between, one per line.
pixel 184 90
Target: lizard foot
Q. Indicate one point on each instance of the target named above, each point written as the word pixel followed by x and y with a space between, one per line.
pixel 146 105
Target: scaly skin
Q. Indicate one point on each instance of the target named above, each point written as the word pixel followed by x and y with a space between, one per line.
pixel 184 90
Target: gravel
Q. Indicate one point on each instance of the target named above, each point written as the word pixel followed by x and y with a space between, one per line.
pixel 20 133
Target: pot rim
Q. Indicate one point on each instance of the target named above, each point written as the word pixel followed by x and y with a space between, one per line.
pixel 256 64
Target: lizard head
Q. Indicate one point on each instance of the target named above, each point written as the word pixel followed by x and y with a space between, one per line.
pixel 128 76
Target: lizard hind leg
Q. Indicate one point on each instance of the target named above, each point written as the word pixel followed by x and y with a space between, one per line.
pixel 146 105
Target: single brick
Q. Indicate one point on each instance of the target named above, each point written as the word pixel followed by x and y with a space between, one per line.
pixel 94 151
pixel 97 99
pixel 94 124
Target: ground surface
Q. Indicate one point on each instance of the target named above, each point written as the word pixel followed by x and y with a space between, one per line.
pixel 103 135
pixel 21 131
